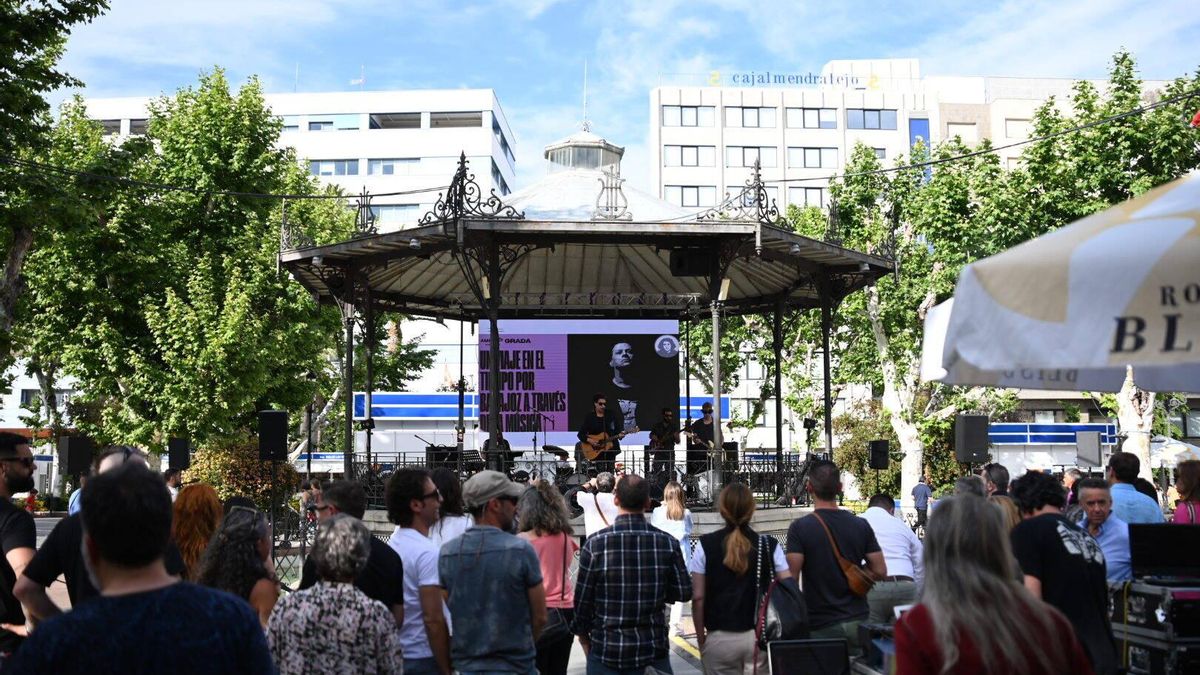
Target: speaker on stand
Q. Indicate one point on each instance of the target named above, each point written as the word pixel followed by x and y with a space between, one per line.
pixel 971 444
pixel 179 454
pixel 75 454
pixel 272 447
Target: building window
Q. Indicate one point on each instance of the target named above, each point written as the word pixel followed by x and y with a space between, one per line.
pixel 745 156
pixel 498 179
pixel 346 122
pixel 110 127
pixel 880 153
pixel 445 120
pixel 138 127
pixel 755 118
pixel 747 197
pixel 409 120
pixel 498 133
pixel 965 131
pixel 1014 128
pixel 333 167
pixel 813 158
pixel 691 195
pixel 688 115
pixel 689 155
pixel 396 213
pixel 870 118
pixel 807 196
pixel 1011 163
pixel 812 118
pixel 391 167
pixel 290 122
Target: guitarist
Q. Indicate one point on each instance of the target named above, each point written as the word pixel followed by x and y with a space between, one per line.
pixel 663 437
pixel 602 421
pixel 700 439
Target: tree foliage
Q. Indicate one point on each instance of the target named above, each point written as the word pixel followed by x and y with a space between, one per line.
pixel 232 467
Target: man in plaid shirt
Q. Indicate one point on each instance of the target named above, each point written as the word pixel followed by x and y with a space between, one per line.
pixel 627 574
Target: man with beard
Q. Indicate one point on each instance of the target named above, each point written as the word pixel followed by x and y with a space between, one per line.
pixel 624 383
pixel 18 537
pixel 493 583
pixel 413 502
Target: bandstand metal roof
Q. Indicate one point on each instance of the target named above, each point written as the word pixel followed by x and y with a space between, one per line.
pixel 573 266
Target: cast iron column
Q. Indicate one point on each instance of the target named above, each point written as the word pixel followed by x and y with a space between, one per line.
pixel 348 447
pixel 826 312
pixel 777 346
pixel 369 343
pixel 493 274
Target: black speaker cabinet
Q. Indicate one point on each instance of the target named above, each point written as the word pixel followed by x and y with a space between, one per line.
pixel 179 455
pixel 971 438
pixel 690 262
pixel 879 454
pixel 441 456
pixel 75 454
pixel 272 435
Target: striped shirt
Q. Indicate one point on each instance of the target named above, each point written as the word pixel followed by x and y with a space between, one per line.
pixel 627 574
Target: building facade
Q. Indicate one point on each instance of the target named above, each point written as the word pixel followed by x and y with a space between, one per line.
pixel 378 141
pixel 802 128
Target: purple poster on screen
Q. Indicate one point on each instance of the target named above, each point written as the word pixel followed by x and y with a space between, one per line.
pixel 533 382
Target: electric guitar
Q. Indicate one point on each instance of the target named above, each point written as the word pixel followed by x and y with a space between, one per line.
pixel 658 444
pixel 600 443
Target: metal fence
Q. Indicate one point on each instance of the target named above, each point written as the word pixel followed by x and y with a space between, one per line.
pixel 772 484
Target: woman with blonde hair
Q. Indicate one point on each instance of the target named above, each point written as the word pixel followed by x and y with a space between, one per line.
pixel 726 586
pixel 546 524
pixel 675 519
pixel 1008 509
pixel 197 515
pixel 974 616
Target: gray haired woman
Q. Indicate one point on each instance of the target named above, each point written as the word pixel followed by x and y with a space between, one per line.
pixel 974 616
pixel 333 627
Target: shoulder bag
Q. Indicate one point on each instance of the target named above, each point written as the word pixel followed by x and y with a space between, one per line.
pixel 782 612
pixel 859 580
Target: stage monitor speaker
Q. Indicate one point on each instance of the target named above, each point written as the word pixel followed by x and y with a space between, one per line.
pixel 272 435
pixel 441 456
pixel 879 454
pixel 1087 448
pixel 971 443
pixel 690 262
pixel 179 455
pixel 75 453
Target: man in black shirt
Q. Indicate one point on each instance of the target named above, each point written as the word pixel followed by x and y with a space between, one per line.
pixel 1063 565
pixel 383 577
pixel 61 554
pixel 663 437
pixel 146 620
pixel 700 441
pixel 17 535
pixel 813 545
pixel 601 421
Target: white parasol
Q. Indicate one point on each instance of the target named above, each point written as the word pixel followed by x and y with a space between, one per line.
pixel 1072 308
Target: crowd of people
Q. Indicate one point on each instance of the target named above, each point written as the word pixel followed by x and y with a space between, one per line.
pixel 488 575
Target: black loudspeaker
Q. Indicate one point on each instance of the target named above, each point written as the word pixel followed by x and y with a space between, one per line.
pixel 75 453
pixel 971 443
pixel 879 454
pixel 272 435
pixel 1087 448
pixel 179 455
pixel 690 262
pixel 441 456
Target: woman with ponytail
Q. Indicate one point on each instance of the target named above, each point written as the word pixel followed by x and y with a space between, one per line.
pixel 727 581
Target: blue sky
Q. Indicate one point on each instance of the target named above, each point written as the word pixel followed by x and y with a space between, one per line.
pixel 532 52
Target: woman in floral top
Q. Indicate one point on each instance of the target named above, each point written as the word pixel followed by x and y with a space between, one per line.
pixel 333 627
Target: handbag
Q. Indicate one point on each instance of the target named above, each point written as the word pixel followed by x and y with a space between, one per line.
pixel 782 612
pixel 859 580
pixel 558 622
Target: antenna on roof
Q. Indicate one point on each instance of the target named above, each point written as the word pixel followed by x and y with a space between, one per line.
pixel 586 125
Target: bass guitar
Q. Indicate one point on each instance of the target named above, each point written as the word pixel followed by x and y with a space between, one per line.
pixel 600 443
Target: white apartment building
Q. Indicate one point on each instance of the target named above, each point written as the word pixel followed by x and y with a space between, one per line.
pixel 802 127
pixel 380 141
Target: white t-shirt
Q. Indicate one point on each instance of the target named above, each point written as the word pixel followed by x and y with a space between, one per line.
pixel 696 564
pixel 420 558
pixel 449 528
pixel 593 505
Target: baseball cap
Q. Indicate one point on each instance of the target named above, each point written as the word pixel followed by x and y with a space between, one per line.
pixel 487 485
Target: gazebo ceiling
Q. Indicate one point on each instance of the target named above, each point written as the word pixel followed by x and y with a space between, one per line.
pixel 474 255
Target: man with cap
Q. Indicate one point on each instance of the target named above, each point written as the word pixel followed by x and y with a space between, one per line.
pixel 493 583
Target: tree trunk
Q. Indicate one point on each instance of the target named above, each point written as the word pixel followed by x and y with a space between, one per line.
pixel 320 421
pixel 1135 419
pixel 899 392
pixel 11 284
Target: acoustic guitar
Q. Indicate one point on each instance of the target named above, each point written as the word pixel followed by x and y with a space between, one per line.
pixel 601 442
